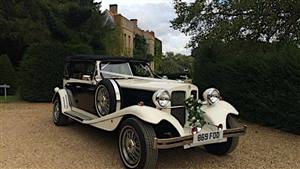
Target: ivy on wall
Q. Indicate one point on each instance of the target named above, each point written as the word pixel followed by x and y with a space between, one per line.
pixel 140 47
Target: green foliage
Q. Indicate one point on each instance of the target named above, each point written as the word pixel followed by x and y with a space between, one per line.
pixel 229 20
pixel 196 115
pixel 158 48
pixel 23 23
pixel 61 27
pixel 79 48
pixel 180 63
pixel 42 69
pixel 263 85
pixel 7 74
pixel 140 48
pixel 114 42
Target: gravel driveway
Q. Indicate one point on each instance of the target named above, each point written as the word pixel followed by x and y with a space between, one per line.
pixel 28 139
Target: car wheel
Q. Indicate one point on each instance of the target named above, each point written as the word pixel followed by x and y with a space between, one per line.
pixel 136 140
pixel 228 146
pixel 59 119
pixel 105 97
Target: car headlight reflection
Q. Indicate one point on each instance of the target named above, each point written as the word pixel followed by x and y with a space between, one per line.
pixel 161 98
pixel 211 95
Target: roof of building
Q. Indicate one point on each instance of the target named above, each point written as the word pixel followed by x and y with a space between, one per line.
pixel 75 58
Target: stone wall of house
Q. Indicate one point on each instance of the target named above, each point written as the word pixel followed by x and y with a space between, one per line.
pixel 129 29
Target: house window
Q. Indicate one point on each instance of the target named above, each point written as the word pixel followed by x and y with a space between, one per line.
pixel 125 44
pixel 129 44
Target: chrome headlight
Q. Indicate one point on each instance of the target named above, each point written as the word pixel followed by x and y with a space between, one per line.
pixel 211 95
pixel 161 98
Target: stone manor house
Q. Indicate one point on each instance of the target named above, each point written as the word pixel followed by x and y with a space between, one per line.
pixel 127 30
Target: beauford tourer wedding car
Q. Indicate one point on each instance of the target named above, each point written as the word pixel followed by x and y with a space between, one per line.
pixel 149 113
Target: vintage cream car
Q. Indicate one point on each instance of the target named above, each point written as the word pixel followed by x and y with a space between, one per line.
pixel 123 95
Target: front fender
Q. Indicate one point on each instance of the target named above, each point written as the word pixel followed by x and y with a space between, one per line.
pixel 145 113
pixel 217 113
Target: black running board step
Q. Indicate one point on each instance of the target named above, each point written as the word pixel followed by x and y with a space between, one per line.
pixel 78 116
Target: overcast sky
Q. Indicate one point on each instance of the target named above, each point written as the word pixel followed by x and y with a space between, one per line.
pixel 153 15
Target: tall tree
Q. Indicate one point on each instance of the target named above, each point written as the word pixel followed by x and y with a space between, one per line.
pixel 228 20
pixel 25 22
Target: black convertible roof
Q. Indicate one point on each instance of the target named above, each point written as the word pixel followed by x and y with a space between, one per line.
pixel 75 58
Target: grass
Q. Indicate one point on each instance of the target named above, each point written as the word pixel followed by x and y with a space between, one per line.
pixel 14 98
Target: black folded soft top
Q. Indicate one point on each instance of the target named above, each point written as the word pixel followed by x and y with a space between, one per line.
pixel 76 58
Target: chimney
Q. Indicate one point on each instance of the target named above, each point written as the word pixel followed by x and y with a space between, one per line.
pixel 113 8
pixel 134 21
pixel 152 33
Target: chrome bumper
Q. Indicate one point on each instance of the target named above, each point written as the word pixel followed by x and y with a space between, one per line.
pixel 181 141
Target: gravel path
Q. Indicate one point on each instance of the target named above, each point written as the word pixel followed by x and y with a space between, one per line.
pixel 28 139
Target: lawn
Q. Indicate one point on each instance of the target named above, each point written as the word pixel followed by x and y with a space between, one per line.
pixel 13 98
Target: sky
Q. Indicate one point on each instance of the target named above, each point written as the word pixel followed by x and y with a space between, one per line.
pixel 154 15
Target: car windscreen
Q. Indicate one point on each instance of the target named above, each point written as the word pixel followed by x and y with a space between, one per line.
pixel 131 69
pixel 120 68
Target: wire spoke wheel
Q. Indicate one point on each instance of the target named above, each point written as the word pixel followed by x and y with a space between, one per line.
pixel 102 100
pixel 56 111
pixel 130 146
pixel 58 117
pixel 136 144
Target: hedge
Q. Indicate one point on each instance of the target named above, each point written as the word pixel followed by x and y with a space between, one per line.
pixel 41 69
pixel 261 81
pixel 7 75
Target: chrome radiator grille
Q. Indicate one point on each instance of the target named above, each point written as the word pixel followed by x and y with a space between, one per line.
pixel 178 99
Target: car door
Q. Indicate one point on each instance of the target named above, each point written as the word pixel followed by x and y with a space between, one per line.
pixel 82 86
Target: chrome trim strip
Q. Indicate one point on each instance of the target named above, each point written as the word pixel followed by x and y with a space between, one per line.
pixel 175 107
pixel 116 88
pixel 118 94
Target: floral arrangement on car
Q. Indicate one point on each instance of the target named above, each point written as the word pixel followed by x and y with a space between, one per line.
pixel 196 115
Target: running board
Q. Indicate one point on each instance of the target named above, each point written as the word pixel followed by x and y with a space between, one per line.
pixel 80 117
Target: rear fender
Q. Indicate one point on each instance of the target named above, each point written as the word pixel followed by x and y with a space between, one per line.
pixel 64 99
pixel 218 112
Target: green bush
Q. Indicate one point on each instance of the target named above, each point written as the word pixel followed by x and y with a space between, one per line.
pixel 7 75
pixel 261 81
pixel 42 69
pixel 179 66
